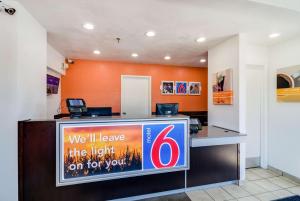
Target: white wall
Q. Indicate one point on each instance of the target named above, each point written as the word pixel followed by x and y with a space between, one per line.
pixel 235 53
pixel 284 134
pixel 238 53
pixel 54 67
pixel 280 121
pixel 23 87
pixel 32 62
pixel 221 57
pixel 55 60
pixel 253 58
pixel 8 124
pixel 249 54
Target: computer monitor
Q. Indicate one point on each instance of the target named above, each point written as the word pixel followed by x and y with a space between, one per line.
pixel 76 107
pixel 167 108
pixel 99 111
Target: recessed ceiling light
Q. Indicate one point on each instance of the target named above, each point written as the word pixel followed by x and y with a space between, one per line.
pixel 134 55
pixel 97 52
pixel 88 26
pixel 274 35
pixel 201 40
pixel 202 60
pixel 150 33
pixel 167 57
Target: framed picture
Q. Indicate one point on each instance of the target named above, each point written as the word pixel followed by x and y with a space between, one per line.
pixel 181 88
pixel 195 88
pixel 167 87
pixel 222 88
pixel 288 84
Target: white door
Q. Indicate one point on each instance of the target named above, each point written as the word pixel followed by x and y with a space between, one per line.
pixel 135 95
pixel 255 86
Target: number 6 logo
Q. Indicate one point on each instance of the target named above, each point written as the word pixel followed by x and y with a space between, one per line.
pixel 160 140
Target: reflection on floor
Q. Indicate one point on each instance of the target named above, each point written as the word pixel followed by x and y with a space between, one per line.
pixel 260 184
pixel 174 197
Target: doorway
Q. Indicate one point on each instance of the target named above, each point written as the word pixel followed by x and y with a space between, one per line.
pixel 255 114
pixel 135 95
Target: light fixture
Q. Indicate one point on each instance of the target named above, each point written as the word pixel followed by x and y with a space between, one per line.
pixel 134 55
pixel 167 57
pixel 202 60
pixel 97 52
pixel 88 26
pixel 150 33
pixel 201 40
pixel 274 35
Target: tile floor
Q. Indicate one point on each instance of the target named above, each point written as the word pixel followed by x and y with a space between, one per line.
pixel 260 185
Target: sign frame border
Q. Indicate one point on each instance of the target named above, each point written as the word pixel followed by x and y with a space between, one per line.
pixel 88 179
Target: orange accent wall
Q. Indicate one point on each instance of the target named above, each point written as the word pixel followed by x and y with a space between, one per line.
pixel 99 83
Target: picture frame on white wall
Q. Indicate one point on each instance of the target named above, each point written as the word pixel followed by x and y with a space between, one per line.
pixel 288 84
pixel 222 87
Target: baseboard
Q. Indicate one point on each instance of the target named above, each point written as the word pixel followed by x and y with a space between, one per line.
pixel 285 174
pixel 253 162
pixel 277 171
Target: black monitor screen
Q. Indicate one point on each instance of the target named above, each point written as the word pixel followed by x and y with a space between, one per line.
pixel 99 111
pixel 167 108
pixel 75 102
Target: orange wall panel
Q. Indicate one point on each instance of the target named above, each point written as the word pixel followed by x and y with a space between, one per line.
pixel 99 83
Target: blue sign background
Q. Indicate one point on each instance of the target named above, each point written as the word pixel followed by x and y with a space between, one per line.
pixel 176 134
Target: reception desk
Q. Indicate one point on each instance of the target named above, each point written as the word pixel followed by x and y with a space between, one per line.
pixel 216 155
pixel 122 157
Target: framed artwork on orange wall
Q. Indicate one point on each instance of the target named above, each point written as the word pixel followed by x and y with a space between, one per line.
pixel 195 88
pixel 181 88
pixel 167 87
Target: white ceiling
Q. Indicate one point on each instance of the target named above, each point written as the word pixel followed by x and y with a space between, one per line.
pixel 289 4
pixel 177 24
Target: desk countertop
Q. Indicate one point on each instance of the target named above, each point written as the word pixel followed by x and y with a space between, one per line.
pixel 211 135
pixel 122 118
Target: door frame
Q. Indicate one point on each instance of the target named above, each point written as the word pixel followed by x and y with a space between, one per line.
pixel 263 114
pixel 149 89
